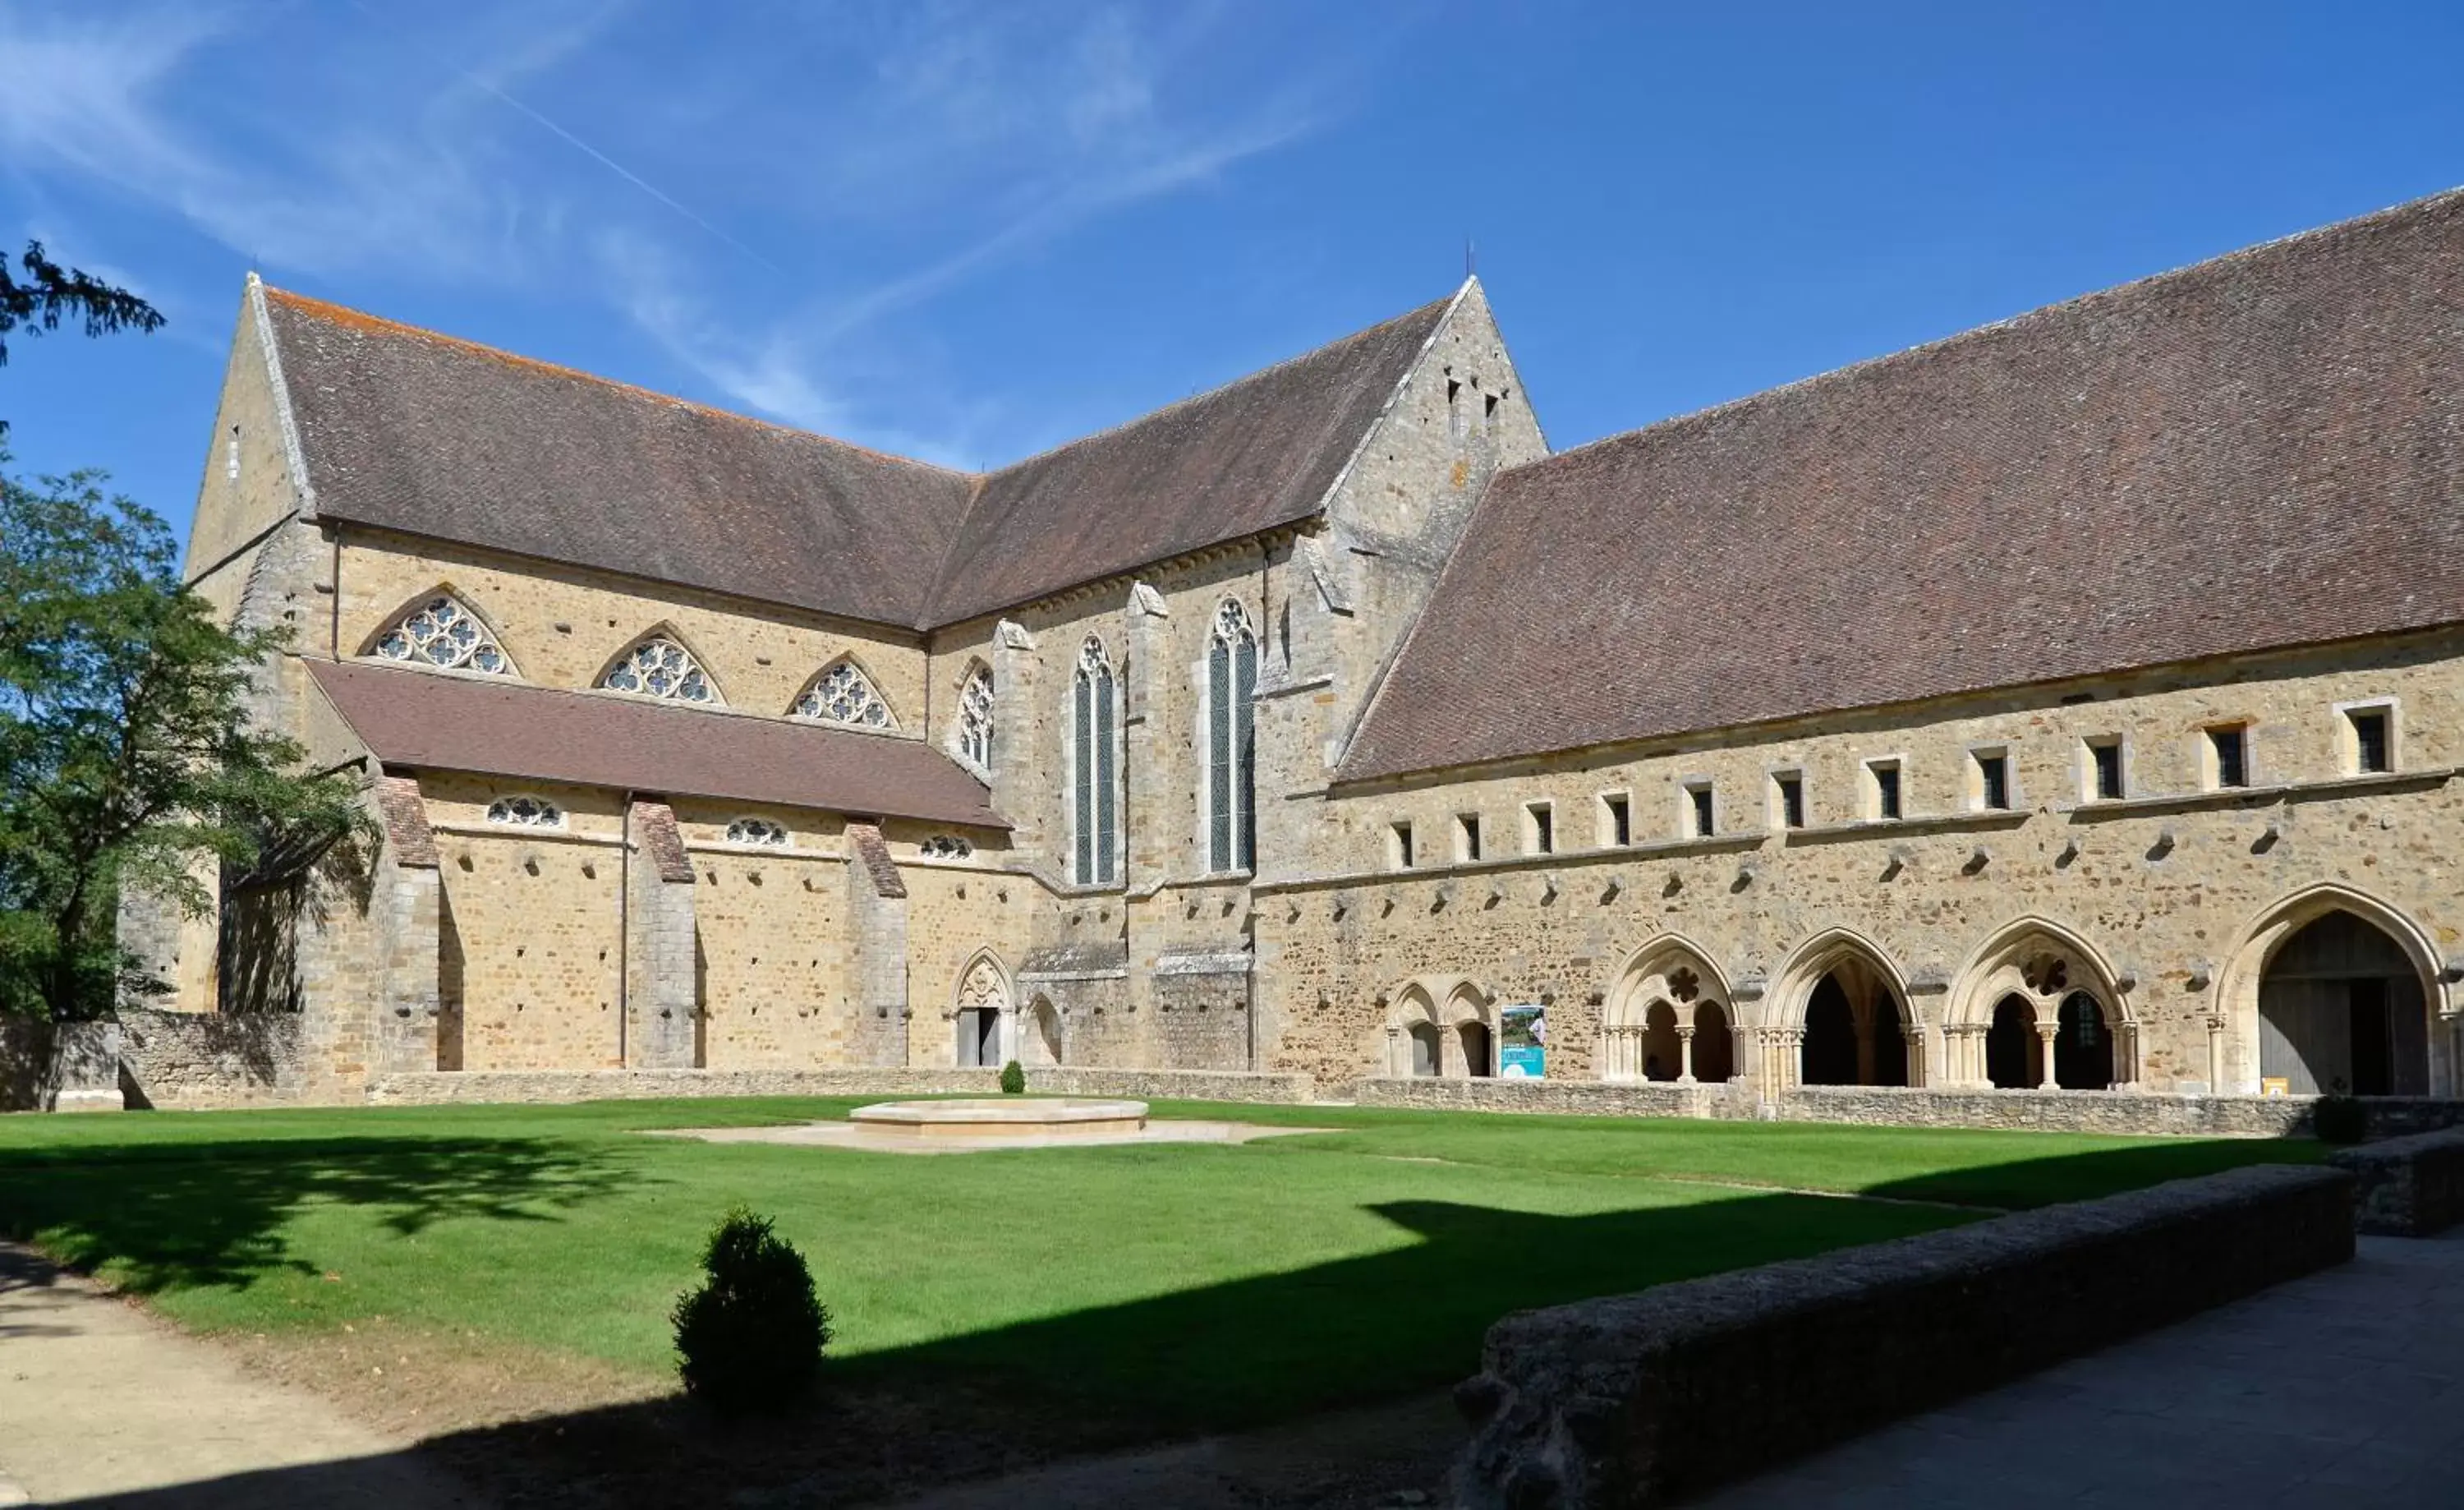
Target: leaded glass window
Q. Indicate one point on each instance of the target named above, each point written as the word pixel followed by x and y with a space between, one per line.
pixel 442 633
pixel 1095 797
pixel 659 667
pixel 946 847
pixel 526 813
pixel 845 694
pixel 1231 740
pixel 757 831
pixel 972 738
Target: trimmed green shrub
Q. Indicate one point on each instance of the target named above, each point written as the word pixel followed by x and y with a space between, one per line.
pixel 2339 1118
pixel 751 1336
pixel 1013 1078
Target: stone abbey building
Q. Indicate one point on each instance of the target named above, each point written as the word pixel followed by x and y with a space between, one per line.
pixel 2076 702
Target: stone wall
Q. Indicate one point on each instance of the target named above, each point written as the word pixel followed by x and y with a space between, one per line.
pixel 1644 1399
pixel 63 1067
pixel 171 1059
pixel 2408 1187
pixel 544 1086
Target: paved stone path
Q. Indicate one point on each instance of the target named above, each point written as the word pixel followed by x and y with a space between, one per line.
pixel 2343 1389
pixel 103 1405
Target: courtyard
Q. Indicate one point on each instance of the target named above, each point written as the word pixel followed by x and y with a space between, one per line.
pixel 499 1277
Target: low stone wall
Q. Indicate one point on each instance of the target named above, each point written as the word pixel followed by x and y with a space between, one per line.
pixel 206 1059
pixel 1640 1399
pixel 59 1067
pixel 458 1086
pixel 1558 1097
pixel 2407 1187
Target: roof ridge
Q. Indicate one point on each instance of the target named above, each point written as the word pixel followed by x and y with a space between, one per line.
pixel 343 315
pixel 2026 319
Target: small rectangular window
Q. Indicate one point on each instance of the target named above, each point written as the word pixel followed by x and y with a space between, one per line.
pixel 1616 821
pixel 1398 847
pixel 2105 756
pixel 2229 746
pixel 1539 829
pixel 1788 787
pixel 1993 781
pixel 1467 836
pixel 1887 789
pixel 2372 750
pixel 1697 800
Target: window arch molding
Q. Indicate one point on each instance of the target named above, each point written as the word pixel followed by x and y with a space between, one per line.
pixel 1227 738
pixel 844 691
pixel 1094 768
pixel 660 665
pixel 439 628
pixel 972 725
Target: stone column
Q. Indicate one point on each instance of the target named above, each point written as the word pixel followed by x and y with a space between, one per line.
pixel 1685 1054
pixel 1394 1045
pixel 662 995
pixel 2045 1035
pixel 1919 1072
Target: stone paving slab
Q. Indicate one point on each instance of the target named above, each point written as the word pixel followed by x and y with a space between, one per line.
pixel 103 1405
pixel 2346 1388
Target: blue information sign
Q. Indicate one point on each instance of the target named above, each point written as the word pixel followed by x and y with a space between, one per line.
pixel 1523 1042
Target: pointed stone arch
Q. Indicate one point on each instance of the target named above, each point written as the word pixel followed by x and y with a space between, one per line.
pixel 844 691
pixel 1840 970
pixel 2039 976
pixel 2234 1024
pixel 1664 996
pixel 982 1010
pixel 1438 1026
pixel 624 666
pixel 403 636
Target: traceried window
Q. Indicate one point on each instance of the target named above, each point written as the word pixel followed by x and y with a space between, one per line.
pixel 442 633
pixel 757 831
pixel 526 813
pixel 1095 790
pixel 659 667
pixel 844 694
pixel 972 739
pixel 946 847
pixel 1231 739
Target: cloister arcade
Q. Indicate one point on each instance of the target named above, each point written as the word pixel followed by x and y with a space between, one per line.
pixel 1669 1018
pixel 1442 1026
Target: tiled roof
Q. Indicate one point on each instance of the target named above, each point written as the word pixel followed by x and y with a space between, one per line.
pixel 430 720
pixel 417 432
pixel 1229 463
pixel 409 430
pixel 2262 450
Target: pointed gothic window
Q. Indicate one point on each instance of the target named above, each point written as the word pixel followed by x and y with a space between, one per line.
pixel 844 694
pixel 1095 790
pixel 659 667
pixel 442 633
pixel 1231 788
pixel 973 738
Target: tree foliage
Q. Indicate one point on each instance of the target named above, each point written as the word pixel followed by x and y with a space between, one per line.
pixel 42 293
pixel 127 755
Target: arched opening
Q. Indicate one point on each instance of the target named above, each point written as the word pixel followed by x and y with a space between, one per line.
pixel 2082 1045
pixel 982 1002
pixel 1041 1043
pixel 1715 1048
pixel 1473 1037
pixel 2010 1052
pixel 1829 1035
pixel 1887 1032
pixel 2341 1007
pixel 1428 1046
pixel 1661 1057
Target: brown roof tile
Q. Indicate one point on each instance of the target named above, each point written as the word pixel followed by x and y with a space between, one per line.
pixel 406 821
pixel 2257 451
pixel 429 721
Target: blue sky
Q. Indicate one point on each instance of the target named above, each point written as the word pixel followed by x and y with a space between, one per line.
pixel 970 232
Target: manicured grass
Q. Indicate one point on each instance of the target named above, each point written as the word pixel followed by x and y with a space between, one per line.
pixel 1169 1286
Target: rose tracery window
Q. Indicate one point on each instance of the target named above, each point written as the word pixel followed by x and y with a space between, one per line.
pixel 844 694
pixel 526 813
pixel 973 738
pixel 946 847
pixel 660 667
pixel 757 831
pixel 442 633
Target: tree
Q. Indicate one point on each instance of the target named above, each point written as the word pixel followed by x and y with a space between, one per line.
pixel 127 755
pixel 50 292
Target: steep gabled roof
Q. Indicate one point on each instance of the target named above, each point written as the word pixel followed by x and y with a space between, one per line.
pixel 426 720
pixel 417 432
pixel 407 430
pixel 1244 459
pixel 2257 451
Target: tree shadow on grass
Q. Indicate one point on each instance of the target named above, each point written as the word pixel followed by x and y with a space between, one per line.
pixel 168 1216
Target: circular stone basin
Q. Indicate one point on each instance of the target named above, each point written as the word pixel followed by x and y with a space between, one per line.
pixel 1055 1117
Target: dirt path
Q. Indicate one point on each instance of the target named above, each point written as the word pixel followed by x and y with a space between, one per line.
pixel 103 1405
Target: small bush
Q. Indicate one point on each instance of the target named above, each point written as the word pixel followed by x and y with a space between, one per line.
pixel 2339 1118
pixel 751 1336
pixel 1013 1078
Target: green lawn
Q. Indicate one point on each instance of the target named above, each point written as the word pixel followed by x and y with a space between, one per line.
pixel 1169 1286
